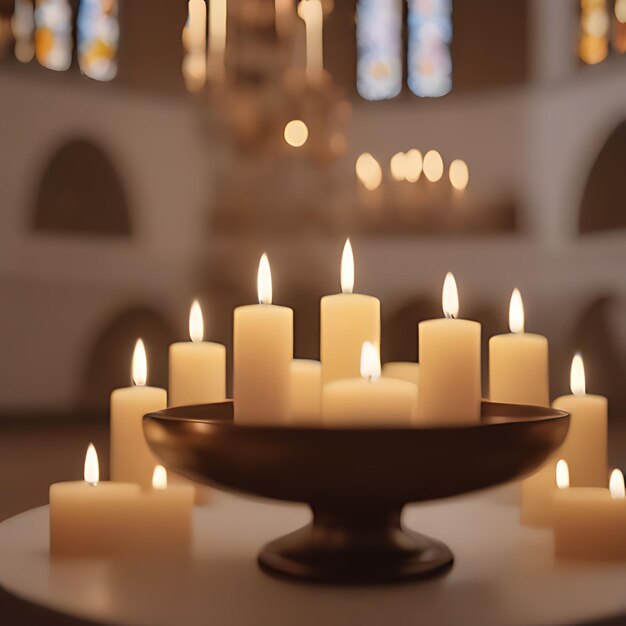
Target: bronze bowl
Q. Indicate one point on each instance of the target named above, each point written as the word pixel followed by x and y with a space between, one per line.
pixel 356 480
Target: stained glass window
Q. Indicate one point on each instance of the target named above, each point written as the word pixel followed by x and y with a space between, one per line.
pixel 593 41
pixel 98 35
pixel 53 34
pixel 429 36
pixel 379 48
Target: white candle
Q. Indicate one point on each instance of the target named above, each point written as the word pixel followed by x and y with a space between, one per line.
pixel 404 370
pixel 449 357
pixel 311 13
pixel 369 400
pixel 90 518
pixel 585 447
pixel 306 392
pixel 263 351
pixel 197 368
pixel 131 458
pixel 518 362
pixel 347 320
pixel 589 522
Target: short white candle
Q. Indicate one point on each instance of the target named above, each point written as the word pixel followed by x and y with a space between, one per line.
pixel 306 392
pixel 403 370
pixel 585 447
pixel 131 458
pixel 589 522
pixel 369 400
pixel 89 518
pixel 449 357
pixel 346 321
pixel 263 351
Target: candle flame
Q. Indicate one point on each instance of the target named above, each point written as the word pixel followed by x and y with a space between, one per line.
pixel 264 281
pixel 577 376
pixel 370 361
pixel 196 323
pixel 616 485
pixel 91 472
pixel 347 268
pixel 562 474
pixel 450 297
pixel 140 364
pixel 159 477
pixel 516 312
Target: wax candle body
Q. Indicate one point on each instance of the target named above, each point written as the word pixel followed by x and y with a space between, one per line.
pixel 518 369
pixel 585 447
pixel 197 373
pixel 131 458
pixel 449 357
pixel 362 402
pixel 402 370
pixel 306 392
pixel 263 351
pixel 588 524
pixel 91 520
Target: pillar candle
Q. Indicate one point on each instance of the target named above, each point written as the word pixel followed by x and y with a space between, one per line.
pixel 347 320
pixel 588 522
pixel 449 357
pixel 306 392
pixel 404 370
pixel 263 351
pixel 518 362
pixel 585 447
pixel 131 458
pixel 90 518
pixel 518 374
pixel 369 400
pixel 197 368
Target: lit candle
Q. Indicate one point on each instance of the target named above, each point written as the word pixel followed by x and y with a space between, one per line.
pixel 346 321
pixel 197 368
pixel 217 38
pixel 585 447
pixel 589 522
pixel 449 357
pixel 518 362
pixel 89 517
pixel 263 351
pixel 306 392
pixel 311 13
pixel 369 400
pixel 131 458
pixel 403 370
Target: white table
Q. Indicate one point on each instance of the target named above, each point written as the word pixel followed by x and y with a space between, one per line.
pixel 504 574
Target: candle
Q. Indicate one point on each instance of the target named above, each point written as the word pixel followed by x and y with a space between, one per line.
pixel 589 522
pixel 197 369
pixel 585 447
pixel 518 362
pixel 306 392
pixel 369 400
pixel 346 321
pixel 449 357
pixel 88 517
pixel 404 370
pixel 310 11
pixel 131 458
pixel 263 351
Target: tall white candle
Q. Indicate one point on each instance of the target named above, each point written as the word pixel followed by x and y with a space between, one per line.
pixel 585 447
pixel 369 400
pixel 347 320
pixel 312 14
pixel 263 351
pixel 131 458
pixel 449 357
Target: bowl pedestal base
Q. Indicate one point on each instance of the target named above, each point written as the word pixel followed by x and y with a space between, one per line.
pixel 355 547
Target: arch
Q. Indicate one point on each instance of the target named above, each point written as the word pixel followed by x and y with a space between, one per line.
pixel 107 362
pixel 604 196
pixel 81 193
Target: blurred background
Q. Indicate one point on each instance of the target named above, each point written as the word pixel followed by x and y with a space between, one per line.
pixel 151 150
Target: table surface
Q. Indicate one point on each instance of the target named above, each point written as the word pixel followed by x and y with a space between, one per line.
pixel 503 574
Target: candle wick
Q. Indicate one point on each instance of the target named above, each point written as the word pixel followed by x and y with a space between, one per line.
pixel 448 315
